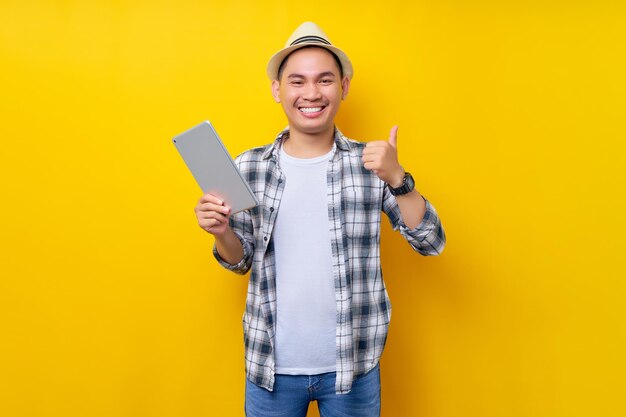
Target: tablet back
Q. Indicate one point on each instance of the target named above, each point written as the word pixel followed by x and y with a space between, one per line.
pixel 213 168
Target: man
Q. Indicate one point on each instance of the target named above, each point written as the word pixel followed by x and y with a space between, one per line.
pixel 317 311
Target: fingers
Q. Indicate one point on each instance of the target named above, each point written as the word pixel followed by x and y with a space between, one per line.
pixel 209 202
pixel 211 220
pixel 212 214
pixel 381 157
pixel 377 150
pixel 393 141
pixel 212 225
pixel 209 207
pixel 393 136
pixel 371 161
pixel 210 198
pixel 372 166
pixel 376 144
pixel 212 217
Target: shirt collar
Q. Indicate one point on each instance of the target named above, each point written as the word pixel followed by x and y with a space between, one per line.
pixel 340 140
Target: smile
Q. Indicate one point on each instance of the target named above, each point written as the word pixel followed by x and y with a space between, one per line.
pixel 310 109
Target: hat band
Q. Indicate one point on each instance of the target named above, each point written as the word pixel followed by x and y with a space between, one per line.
pixel 309 39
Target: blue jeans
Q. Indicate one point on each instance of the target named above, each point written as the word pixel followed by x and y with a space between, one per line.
pixel 293 393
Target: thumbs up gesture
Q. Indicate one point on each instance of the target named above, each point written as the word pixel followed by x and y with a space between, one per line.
pixel 381 157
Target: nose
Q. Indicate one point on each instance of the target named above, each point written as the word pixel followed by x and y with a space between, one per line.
pixel 312 92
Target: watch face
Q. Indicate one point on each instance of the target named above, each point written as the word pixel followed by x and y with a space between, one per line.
pixel 408 181
pixel 407 186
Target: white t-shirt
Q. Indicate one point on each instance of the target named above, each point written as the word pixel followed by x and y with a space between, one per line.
pixel 306 310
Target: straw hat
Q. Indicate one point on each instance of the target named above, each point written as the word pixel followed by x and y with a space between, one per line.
pixel 307 34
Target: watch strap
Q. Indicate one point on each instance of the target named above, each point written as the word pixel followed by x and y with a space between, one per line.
pixel 408 185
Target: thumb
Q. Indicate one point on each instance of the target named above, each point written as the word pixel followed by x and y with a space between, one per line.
pixel 393 136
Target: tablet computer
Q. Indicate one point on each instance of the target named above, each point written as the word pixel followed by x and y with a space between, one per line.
pixel 213 168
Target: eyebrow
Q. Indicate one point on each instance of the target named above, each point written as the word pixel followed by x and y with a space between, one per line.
pixel 323 74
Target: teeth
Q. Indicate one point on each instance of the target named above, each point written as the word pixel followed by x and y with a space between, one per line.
pixel 310 109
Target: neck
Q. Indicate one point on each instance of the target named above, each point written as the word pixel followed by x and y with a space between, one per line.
pixel 303 145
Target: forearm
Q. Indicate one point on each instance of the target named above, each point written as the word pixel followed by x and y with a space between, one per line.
pixel 229 247
pixel 412 207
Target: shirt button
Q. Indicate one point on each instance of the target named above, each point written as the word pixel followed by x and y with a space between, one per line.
pixel 280 181
pixel 271 209
pixel 265 238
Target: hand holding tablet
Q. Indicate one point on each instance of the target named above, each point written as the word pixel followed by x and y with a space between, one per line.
pixel 213 168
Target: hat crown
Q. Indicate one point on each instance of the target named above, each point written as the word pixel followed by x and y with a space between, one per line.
pixel 308 32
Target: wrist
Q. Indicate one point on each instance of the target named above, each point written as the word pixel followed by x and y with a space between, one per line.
pixel 408 185
pixel 397 179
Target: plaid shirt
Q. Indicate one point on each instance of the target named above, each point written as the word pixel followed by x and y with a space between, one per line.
pixel 356 198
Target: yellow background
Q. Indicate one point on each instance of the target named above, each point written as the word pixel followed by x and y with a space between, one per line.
pixel 512 120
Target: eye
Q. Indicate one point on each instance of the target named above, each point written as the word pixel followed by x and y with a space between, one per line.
pixel 326 81
pixel 296 83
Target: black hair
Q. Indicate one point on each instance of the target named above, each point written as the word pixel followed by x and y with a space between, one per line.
pixel 281 67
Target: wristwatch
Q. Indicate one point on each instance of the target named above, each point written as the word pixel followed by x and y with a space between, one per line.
pixel 408 185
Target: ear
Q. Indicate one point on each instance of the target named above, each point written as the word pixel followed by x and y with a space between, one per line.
pixel 345 87
pixel 276 90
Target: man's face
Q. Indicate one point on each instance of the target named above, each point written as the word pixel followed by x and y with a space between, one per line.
pixel 310 90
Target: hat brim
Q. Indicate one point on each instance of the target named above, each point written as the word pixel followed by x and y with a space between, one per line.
pixel 278 57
